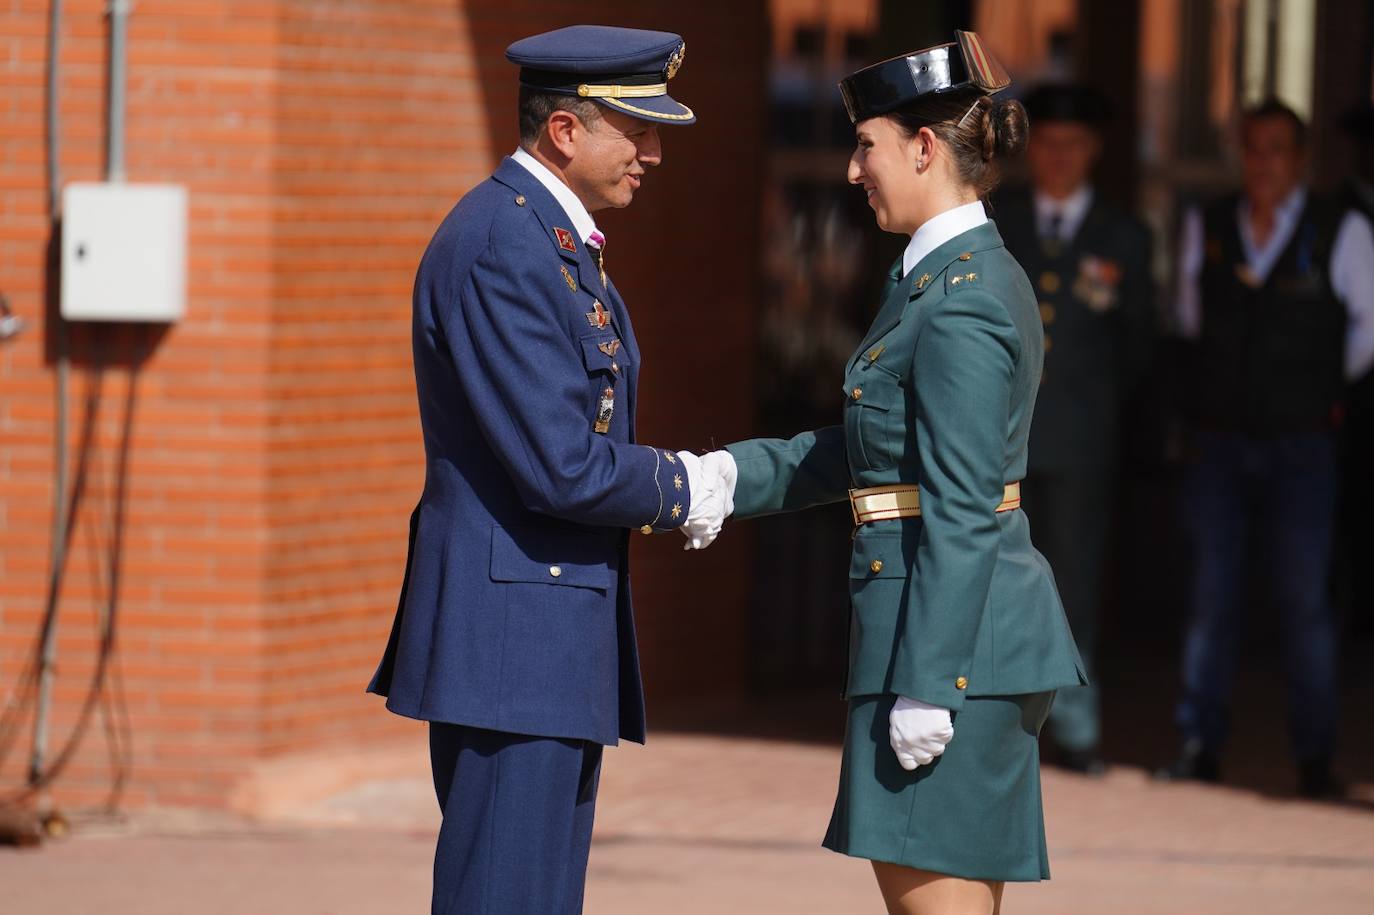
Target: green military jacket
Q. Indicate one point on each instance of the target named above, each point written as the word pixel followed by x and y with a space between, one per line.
pixel 957 602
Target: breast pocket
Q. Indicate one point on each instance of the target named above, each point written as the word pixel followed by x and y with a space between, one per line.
pixel 607 364
pixel 875 417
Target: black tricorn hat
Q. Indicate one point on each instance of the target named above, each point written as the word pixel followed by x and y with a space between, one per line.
pixel 884 87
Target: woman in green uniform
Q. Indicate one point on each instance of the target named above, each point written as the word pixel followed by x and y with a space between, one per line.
pixel 958 638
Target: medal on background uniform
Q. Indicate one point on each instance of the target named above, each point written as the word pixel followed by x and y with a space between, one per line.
pixel 604 409
pixel 1097 282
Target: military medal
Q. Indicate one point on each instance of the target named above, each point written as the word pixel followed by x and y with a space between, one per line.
pixel 604 409
pixel 1097 282
pixel 610 347
pixel 565 240
pixel 568 277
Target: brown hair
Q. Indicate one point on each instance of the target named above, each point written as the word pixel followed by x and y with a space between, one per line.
pixel 978 130
pixel 535 108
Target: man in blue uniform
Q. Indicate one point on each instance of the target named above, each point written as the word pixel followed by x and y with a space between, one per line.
pixel 514 636
pixel 1277 291
pixel 1090 263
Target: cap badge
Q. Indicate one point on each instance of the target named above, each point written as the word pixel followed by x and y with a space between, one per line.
pixel 675 61
pixel 565 239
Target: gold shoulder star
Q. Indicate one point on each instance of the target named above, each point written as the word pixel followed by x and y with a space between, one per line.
pixel 668 455
pixel 677 481
pixel 677 510
pixel 955 280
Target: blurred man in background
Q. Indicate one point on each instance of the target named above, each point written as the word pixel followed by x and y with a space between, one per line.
pixel 1090 263
pixel 1277 291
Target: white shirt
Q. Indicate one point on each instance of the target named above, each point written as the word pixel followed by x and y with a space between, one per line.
pixel 937 230
pixel 1071 210
pixel 582 221
pixel 1352 272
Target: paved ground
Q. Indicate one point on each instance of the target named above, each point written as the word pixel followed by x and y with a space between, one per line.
pixel 709 824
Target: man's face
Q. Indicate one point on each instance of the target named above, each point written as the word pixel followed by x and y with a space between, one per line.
pixel 1271 159
pixel 610 157
pixel 1061 155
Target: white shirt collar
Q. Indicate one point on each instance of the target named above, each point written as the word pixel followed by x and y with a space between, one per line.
pixel 937 230
pixel 1261 260
pixel 1072 210
pixel 582 221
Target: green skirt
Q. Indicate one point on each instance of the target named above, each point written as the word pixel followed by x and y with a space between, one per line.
pixel 975 812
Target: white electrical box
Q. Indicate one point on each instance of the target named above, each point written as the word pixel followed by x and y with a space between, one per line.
pixel 123 252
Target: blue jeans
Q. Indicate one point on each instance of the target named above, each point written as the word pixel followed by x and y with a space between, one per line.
pixel 1279 492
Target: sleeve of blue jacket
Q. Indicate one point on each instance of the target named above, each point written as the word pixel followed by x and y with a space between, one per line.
pixel 961 378
pixel 508 324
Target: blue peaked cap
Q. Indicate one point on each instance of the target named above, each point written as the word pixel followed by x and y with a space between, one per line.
pixel 627 70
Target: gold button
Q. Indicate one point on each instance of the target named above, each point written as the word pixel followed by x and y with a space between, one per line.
pixel 1047 312
pixel 966 256
pixel 857 393
pixel 646 530
pixel 876 566
pixel 961 683
pixel 1049 282
pixel 520 200
pixel 555 571
pixel 615 367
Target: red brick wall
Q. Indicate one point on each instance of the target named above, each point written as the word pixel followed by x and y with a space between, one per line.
pixel 273 450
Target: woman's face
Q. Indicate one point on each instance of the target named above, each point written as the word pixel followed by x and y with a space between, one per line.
pixel 885 164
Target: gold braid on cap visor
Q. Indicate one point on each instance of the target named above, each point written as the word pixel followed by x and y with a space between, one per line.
pixel 589 91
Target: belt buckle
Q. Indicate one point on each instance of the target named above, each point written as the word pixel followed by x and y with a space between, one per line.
pixel 854 510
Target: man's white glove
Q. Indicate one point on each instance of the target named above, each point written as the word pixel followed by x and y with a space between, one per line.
pixel 918 731
pixel 712 479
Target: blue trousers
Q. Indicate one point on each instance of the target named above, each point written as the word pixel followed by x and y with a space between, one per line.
pixel 1279 493
pixel 517 825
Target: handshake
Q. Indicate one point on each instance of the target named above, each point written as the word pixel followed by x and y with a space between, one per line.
pixel 712 480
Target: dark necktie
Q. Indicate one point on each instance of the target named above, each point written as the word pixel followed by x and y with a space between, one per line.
pixel 1053 228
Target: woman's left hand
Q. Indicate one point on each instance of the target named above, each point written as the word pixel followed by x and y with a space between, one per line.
pixel 918 731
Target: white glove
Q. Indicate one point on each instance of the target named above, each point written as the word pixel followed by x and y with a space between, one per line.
pixel 918 731
pixel 712 480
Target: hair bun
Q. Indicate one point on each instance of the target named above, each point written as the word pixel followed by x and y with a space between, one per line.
pixel 1007 129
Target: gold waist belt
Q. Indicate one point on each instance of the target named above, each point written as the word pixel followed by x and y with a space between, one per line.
pixel 884 503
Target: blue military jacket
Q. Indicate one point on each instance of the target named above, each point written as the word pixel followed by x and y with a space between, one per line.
pixel 515 611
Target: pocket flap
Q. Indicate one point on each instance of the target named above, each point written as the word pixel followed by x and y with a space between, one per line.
pixel 572 560
pixel 877 556
pixel 877 389
pixel 604 353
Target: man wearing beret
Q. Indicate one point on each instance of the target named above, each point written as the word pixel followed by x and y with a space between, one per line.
pixel 514 636
pixel 1090 264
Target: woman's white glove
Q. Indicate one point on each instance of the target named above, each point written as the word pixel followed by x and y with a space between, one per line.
pixel 918 731
pixel 712 479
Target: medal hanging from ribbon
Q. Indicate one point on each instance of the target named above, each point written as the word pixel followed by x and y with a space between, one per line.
pixel 604 409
